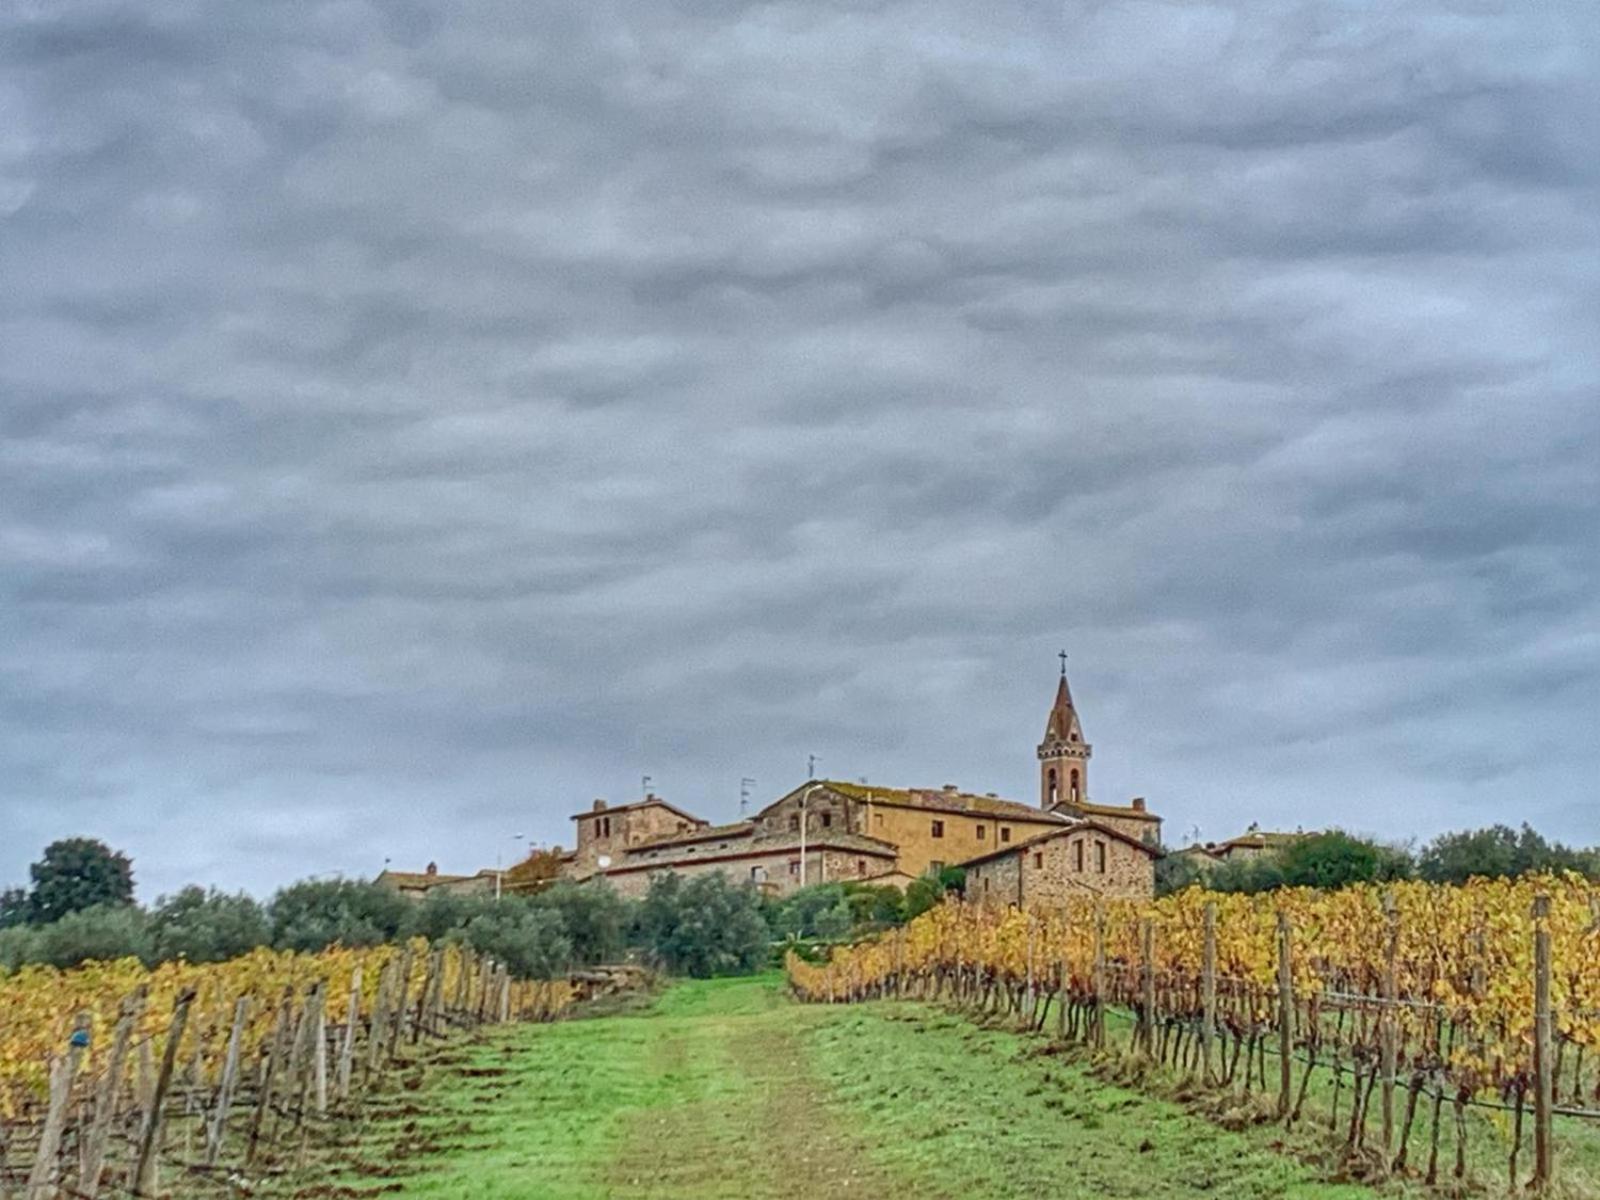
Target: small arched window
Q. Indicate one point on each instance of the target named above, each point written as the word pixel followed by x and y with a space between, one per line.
pixel 1050 785
pixel 1075 796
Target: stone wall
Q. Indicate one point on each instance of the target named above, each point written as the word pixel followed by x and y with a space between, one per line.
pixel 923 836
pixel 628 825
pixel 1049 873
pixel 775 871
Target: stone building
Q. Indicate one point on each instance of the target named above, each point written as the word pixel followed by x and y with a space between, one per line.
pixel 417 885
pixel 1086 858
pixel 829 830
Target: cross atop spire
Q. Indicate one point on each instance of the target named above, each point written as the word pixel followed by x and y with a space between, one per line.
pixel 1063 657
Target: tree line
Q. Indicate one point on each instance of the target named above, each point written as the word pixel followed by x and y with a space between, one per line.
pixel 80 907
pixel 1335 859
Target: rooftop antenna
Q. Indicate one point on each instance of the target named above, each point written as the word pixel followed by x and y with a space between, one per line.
pixel 644 782
pixel 745 784
pixel 811 766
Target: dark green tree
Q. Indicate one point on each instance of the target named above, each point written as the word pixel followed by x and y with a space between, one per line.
pixel 315 914
pixel 927 890
pixel 702 926
pixel 1174 872
pixel 101 934
pixel 78 873
pixel 1499 852
pixel 1337 859
pixel 594 917
pixel 207 926
pixel 530 941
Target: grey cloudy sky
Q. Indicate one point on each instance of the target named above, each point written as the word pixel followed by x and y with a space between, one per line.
pixel 418 419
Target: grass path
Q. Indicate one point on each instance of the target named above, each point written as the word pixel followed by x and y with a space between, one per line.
pixel 727 1089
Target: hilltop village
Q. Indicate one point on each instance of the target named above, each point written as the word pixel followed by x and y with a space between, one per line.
pixel 828 830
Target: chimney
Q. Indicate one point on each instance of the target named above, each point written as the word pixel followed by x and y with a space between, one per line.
pixel 433 869
pixel 1138 803
pixel 951 788
pixel 599 806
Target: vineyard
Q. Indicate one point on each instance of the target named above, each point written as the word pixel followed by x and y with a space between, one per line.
pixel 211 1080
pixel 1386 1013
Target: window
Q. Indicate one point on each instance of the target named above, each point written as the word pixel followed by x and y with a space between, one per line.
pixel 1075 785
pixel 1077 856
pixel 938 829
pixel 1005 833
pixel 604 827
pixel 794 823
pixel 1100 857
pixel 1038 860
pixel 794 867
pixel 827 819
pixel 935 866
pixel 877 820
pixel 1050 788
pixel 758 874
pixel 861 866
pixel 986 883
pixel 980 833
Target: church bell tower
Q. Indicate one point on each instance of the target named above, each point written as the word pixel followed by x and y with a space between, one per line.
pixel 1063 755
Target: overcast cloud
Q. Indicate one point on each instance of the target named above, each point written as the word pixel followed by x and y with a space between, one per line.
pixel 417 419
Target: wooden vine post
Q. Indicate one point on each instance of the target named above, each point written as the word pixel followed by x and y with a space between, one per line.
pixel 1099 976
pixel 1208 993
pixel 144 1170
pixel 229 1082
pixel 1147 971
pixel 42 1179
pixel 1388 1029
pixel 109 1092
pixel 1543 1062
pixel 1285 1013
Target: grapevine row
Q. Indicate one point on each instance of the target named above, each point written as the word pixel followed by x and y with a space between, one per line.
pixel 112 1075
pixel 1411 1002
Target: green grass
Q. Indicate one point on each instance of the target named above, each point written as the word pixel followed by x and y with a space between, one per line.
pixel 728 1089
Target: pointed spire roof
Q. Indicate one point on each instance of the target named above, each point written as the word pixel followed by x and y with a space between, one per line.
pixel 1063 723
pixel 1061 712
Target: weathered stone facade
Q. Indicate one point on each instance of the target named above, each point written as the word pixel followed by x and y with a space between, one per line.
pixel 857 831
pixel 772 865
pixel 1086 859
pixel 1134 819
pixel 609 831
pixel 929 828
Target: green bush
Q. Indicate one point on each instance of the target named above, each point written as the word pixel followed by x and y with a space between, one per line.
pixel 315 914
pixel 702 926
pixel 530 941
pixel 594 917
pixel 102 933
pixel 207 926
pixel 927 890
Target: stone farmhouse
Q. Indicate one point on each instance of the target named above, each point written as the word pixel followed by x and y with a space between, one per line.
pixel 829 830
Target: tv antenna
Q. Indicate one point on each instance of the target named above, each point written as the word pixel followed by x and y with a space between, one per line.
pixel 811 766
pixel 745 784
pixel 644 783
